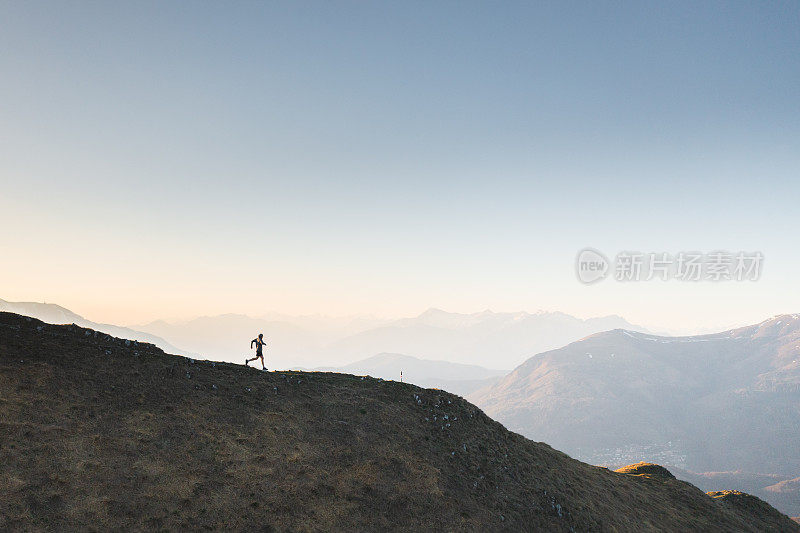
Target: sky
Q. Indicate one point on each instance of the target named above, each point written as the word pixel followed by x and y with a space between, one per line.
pixel 176 159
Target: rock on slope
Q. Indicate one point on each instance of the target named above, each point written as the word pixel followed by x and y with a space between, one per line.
pixel 101 433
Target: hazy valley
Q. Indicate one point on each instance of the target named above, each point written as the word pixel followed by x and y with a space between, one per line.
pixel 725 402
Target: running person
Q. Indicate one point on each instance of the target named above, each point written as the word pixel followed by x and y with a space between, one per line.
pixel 259 342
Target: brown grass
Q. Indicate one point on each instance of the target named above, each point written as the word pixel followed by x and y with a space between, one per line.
pixel 147 441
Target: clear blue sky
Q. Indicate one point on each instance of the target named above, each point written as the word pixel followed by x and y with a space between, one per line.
pixel 179 158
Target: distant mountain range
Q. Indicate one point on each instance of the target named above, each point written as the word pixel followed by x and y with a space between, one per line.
pixel 227 338
pixel 431 349
pixel 500 340
pixel 711 403
pixel 497 340
pixel 55 314
pixel 453 377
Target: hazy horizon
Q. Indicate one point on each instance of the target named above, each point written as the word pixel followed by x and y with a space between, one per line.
pixel 276 315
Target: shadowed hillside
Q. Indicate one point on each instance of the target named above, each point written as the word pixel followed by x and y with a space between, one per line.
pixel 102 433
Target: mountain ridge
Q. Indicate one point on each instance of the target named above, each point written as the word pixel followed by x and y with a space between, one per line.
pixel 54 313
pixel 709 403
pixel 128 437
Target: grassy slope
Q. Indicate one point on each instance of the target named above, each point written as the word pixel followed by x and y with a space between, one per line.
pixel 135 438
